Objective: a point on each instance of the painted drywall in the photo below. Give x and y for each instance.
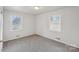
(1, 23)
(69, 29)
(27, 28)
(1, 28)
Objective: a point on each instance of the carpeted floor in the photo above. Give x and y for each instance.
(36, 43)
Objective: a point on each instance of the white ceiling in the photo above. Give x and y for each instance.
(31, 10)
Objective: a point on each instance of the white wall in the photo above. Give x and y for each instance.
(28, 25)
(70, 25)
(1, 23)
(1, 28)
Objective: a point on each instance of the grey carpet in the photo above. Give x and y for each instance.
(36, 43)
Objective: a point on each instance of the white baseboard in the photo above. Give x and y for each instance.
(73, 45)
(19, 37)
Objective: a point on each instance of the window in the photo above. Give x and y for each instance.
(16, 23)
(55, 23)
